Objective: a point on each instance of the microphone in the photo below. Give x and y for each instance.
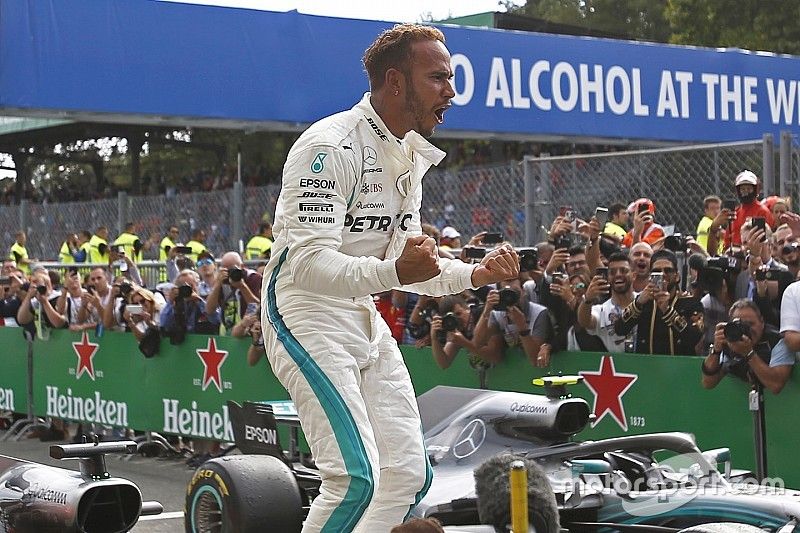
(493, 491)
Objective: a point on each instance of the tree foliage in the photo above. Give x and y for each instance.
(635, 19)
(772, 25)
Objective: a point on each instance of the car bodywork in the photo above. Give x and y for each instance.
(652, 482)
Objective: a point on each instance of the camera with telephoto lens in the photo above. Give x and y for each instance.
(676, 243)
(184, 291)
(420, 330)
(235, 274)
(508, 298)
(449, 323)
(125, 288)
(765, 273)
(790, 247)
(528, 259)
(735, 329)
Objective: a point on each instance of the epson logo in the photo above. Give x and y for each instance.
(377, 130)
(263, 435)
(316, 208)
(528, 408)
(314, 194)
(316, 183)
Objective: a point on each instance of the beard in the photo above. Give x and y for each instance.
(414, 108)
(621, 290)
(747, 198)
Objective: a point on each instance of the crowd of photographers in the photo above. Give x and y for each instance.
(613, 280)
(620, 280)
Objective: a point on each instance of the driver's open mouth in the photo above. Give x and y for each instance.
(439, 112)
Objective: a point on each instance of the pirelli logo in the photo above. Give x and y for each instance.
(316, 207)
(316, 220)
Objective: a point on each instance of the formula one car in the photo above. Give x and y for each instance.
(35, 498)
(654, 482)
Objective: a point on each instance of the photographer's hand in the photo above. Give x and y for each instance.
(560, 226)
(222, 278)
(646, 295)
(498, 265)
(662, 300)
(719, 337)
(457, 338)
(557, 260)
(492, 299)
(743, 346)
(517, 317)
(598, 288)
(477, 239)
(436, 325)
(419, 260)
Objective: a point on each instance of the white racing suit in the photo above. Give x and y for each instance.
(350, 198)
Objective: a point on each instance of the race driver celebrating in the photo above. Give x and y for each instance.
(347, 225)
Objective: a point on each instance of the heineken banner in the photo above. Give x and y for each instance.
(184, 388)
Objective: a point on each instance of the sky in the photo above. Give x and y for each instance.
(391, 10)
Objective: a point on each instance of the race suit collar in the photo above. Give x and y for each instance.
(412, 143)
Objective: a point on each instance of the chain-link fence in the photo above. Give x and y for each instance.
(477, 199)
(47, 225)
(676, 179)
(491, 197)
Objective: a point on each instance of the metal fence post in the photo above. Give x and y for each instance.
(122, 211)
(24, 209)
(530, 198)
(237, 223)
(768, 164)
(785, 160)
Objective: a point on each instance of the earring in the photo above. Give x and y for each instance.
(396, 92)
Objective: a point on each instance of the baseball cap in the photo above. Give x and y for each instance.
(746, 177)
(449, 232)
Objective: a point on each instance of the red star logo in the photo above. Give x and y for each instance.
(85, 351)
(212, 361)
(608, 388)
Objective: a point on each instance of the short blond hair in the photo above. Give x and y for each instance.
(392, 49)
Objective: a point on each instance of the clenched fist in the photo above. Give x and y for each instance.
(419, 260)
(498, 265)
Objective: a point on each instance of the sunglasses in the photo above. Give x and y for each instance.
(204, 262)
(667, 270)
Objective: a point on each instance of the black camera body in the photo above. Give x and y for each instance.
(41, 289)
(768, 274)
(508, 298)
(125, 288)
(564, 242)
(735, 329)
(449, 322)
(528, 259)
(676, 243)
(184, 291)
(235, 274)
(790, 247)
(473, 252)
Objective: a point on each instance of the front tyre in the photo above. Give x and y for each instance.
(243, 494)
